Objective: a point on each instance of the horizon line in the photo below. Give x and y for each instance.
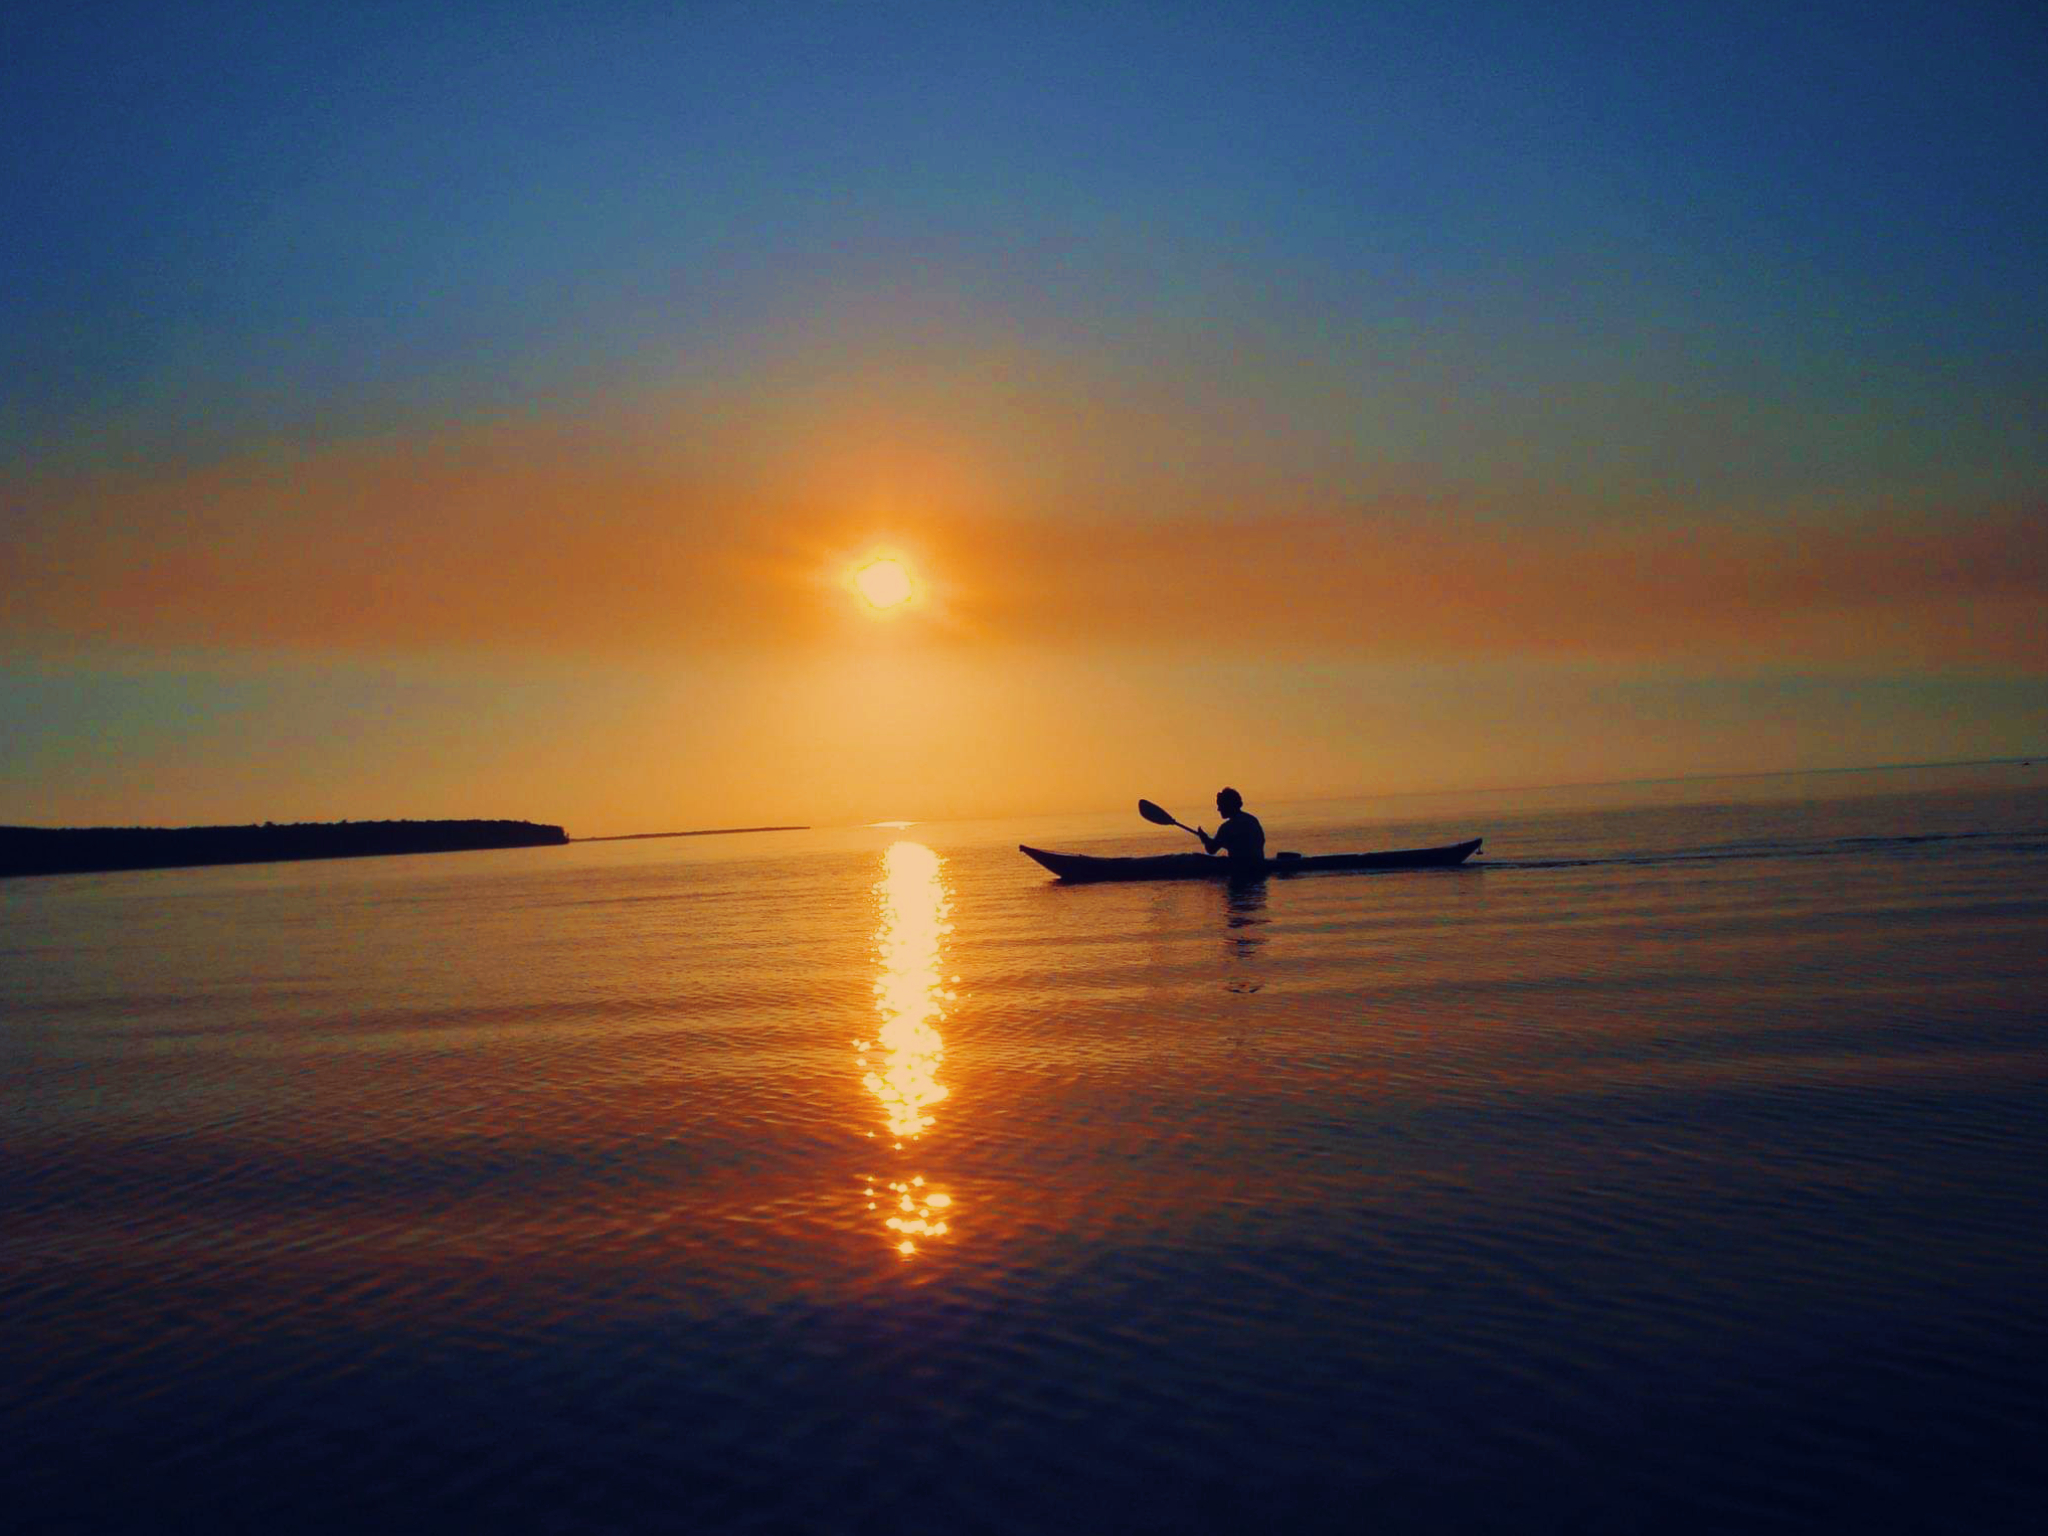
(628, 837)
(2023, 760)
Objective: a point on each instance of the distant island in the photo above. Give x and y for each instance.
(79, 850)
(627, 837)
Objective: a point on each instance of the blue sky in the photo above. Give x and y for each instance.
(373, 208)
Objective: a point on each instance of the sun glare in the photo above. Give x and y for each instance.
(884, 583)
(904, 1056)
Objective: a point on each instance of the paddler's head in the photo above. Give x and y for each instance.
(1229, 801)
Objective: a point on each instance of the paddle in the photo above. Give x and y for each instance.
(1160, 818)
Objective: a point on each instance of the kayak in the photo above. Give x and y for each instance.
(1080, 867)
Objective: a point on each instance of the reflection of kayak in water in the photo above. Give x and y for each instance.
(1200, 866)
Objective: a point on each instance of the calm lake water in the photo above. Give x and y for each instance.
(1680, 1166)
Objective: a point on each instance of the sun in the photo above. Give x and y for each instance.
(884, 583)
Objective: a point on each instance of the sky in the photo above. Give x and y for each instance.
(415, 411)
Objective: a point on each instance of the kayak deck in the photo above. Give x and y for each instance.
(1082, 867)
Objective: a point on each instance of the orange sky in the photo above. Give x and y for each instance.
(509, 543)
(674, 615)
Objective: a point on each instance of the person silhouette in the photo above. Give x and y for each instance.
(1239, 833)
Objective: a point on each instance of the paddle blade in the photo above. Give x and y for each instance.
(1155, 815)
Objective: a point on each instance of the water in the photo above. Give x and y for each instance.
(1681, 1168)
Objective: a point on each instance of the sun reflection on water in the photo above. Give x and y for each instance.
(902, 1061)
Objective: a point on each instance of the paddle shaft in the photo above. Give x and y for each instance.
(1160, 816)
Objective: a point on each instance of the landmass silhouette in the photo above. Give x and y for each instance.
(79, 850)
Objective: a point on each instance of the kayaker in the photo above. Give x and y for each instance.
(1239, 835)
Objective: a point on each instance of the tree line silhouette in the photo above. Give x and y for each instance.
(77, 850)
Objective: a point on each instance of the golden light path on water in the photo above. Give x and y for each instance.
(902, 1060)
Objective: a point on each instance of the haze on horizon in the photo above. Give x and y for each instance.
(422, 416)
